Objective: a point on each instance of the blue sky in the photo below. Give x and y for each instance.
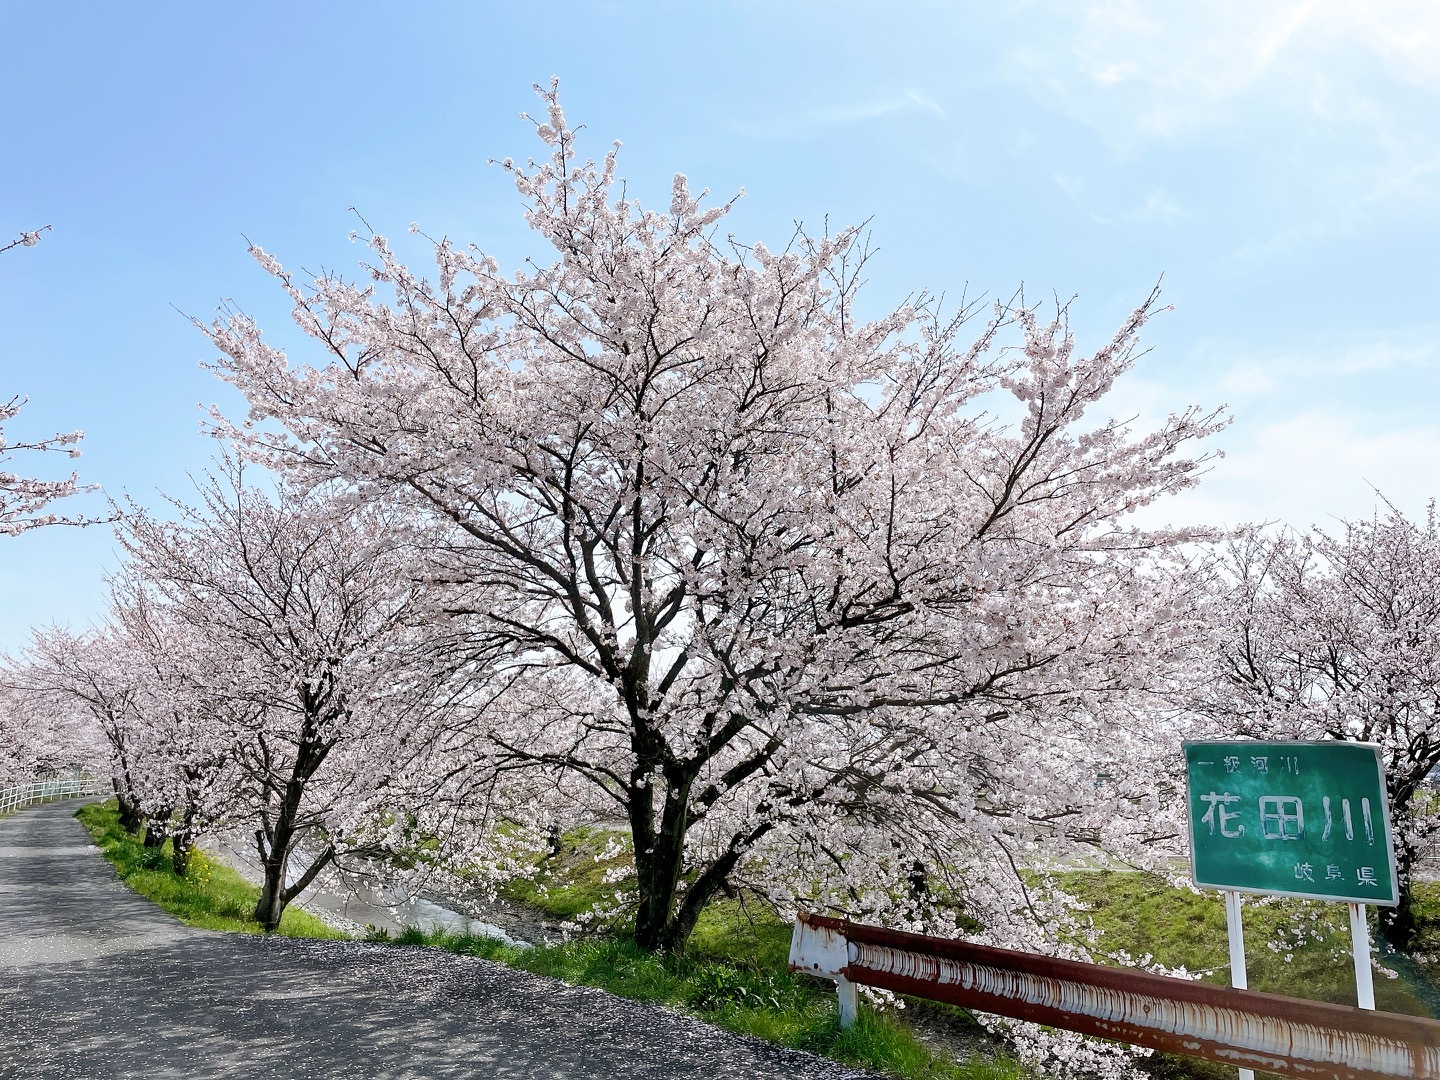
(1280, 168)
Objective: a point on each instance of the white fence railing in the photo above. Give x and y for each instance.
(14, 798)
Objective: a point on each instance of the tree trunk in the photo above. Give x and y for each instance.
(155, 832)
(276, 896)
(180, 843)
(1397, 925)
(272, 889)
(180, 853)
(665, 920)
(131, 820)
(716, 878)
(282, 839)
(659, 858)
(276, 843)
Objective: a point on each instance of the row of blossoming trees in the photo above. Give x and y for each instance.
(851, 613)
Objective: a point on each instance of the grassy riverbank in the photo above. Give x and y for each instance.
(751, 998)
(210, 895)
(1135, 913)
(1296, 948)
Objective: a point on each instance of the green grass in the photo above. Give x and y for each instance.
(570, 883)
(733, 973)
(1142, 914)
(210, 895)
(1426, 896)
(1136, 913)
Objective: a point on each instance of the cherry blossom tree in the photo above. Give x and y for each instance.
(296, 609)
(1337, 636)
(44, 736)
(132, 679)
(185, 770)
(132, 682)
(63, 671)
(760, 576)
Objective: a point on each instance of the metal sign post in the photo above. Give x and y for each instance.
(1360, 950)
(1236, 931)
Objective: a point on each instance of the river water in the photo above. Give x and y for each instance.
(356, 906)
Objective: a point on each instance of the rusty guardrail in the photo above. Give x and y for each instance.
(1243, 1028)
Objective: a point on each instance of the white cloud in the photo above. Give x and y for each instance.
(1312, 469)
(1158, 206)
(1192, 64)
(1318, 429)
(1258, 371)
(1334, 97)
(1395, 375)
(1248, 381)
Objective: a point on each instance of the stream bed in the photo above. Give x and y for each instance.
(357, 906)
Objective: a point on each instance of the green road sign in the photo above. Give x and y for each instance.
(1296, 818)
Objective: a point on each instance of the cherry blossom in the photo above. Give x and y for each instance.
(64, 672)
(25, 239)
(44, 737)
(22, 497)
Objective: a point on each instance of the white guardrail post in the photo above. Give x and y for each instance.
(1239, 1028)
(14, 798)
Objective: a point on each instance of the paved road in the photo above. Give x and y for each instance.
(96, 982)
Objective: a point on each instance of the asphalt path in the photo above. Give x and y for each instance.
(98, 982)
